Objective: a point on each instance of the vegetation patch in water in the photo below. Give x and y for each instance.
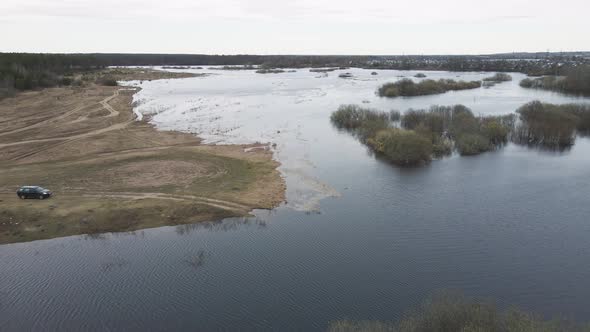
(552, 126)
(408, 88)
(448, 312)
(489, 82)
(354, 117)
(498, 77)
(269, 71)
(446, 125)
(401, 147)
(555, 83)
(575, 81)
(423, 134)
(373, 128)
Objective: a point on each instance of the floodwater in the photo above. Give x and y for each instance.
(358, 238)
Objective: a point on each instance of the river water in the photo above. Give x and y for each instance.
(358, 238)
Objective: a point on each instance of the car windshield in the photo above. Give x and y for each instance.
(32, 189)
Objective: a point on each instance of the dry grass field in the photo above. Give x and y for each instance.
(112, 173)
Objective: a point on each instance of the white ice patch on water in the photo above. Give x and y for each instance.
(291, 111)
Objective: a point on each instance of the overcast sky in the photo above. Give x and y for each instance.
(294, 27)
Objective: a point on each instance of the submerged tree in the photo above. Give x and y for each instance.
(354, 117)
(440, 130)
(472, 135)
(498, 77)
(576, 80)
(546, 125)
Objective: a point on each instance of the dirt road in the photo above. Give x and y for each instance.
(104, 103)
(110, 172)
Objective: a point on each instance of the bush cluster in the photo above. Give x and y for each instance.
(440, 130)
(269, 71)
(400, 146)
(107, 81)
(446, 124)
(354, 117)
(498, 77)
(552, 126)
(576, 81)
(423, 133)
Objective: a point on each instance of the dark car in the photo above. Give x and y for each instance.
(33, 192)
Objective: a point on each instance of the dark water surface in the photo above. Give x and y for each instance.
(511, 225)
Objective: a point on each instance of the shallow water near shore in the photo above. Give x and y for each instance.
(357, 239)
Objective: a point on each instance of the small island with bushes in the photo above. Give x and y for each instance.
(424, 134)
(498, 78)
(495, 79)
(418, 136)
(550, 125)
(269, 71)
(408, 88)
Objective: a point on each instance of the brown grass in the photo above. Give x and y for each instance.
(112, 173)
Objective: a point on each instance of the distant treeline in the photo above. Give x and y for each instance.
(528, 63)
(25, 71)
(22, 71)
(116, 59)
(266, 61)
(474, 63)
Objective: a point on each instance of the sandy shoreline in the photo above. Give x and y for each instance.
(110, 172)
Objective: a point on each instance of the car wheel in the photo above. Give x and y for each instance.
(41, 197)
(21, 196)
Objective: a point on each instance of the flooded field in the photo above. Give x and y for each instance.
(357, 238)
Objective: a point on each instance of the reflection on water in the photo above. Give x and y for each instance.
(106, 236)
(511, 225)
(556, 150)
(198, 259)
(113, 263)
(230, 224)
